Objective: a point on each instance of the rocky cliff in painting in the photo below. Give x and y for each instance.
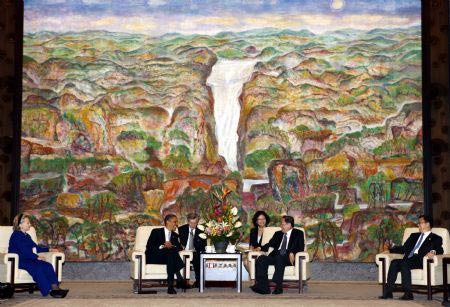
(119, 129)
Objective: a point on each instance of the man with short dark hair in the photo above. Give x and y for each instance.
(418, 245)
(285, 243)
(190, 240)
(163, 246)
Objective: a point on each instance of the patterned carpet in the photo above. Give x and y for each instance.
(88, 294)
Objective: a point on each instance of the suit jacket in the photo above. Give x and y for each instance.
(296, 242)
(158, 238)
(432, 242)
(254, 238)
(199, 243)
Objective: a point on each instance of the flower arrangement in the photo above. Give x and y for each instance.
(221, 219)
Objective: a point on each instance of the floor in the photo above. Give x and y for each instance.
(119, 293)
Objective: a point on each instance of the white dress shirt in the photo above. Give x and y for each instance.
(168, 233)
(425, 235)
(189, 237)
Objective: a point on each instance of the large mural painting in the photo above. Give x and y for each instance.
(134, 109)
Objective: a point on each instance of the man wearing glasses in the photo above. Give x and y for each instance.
(418, 245)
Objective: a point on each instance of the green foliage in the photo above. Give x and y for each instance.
(231, 54)
(345, 100)
(102, 206)
(268, 129)
(179, 157)
(42, 165)
(301, 128)
(387, 230)
(259, 159)
(74, 121)
(133, 183)
(396, 147)
(192, 201)
(177, 134)
(404, 88)
(349, 210)
(153, 143)
(51, 228)
(131, 135)
(37, 186)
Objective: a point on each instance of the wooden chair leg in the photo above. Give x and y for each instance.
(429, 288)
(140, 265)
(383, 276)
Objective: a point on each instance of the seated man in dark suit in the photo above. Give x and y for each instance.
(417, 246)
(286, 243)
(163, 246)
(190, 240)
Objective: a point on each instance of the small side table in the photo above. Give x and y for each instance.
(225, 256)
(445, 262)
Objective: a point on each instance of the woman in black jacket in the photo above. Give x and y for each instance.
(260, 221)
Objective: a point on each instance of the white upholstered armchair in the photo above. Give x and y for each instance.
(430, 277)
(298, 272)
(143, 273)
(9, 262)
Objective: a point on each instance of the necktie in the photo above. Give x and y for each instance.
(283, 245)
(416, 247)
(191, 240)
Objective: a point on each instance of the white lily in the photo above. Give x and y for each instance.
(203, 236)
(230, 234)
(234, 211)
(238, 224)
(201, 227)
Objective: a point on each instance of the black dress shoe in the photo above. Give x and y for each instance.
(278, 291)
(407, 297)
(387, 296)
(182, 284)
(171, 290)
(196, 284)
(260, 290)
(59, 293)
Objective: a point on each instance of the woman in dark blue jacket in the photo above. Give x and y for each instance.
(42, 272)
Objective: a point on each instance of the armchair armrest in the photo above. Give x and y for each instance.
(387, 257)
(383, 262)
(11, 262)
(437, 260)
(138, 262)
(51, 257)
(187, 256)
(252, 256)
(4, 257)
(303, 255)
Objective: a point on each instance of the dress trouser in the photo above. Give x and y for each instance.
(169, 257)
(404, 266)
(196, 264)
(42, 273)
(262, 266)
